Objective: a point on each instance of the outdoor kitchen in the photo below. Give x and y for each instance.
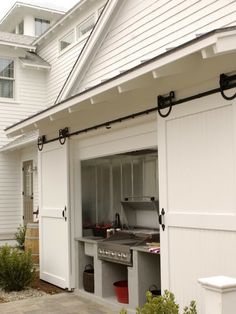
(119, 253)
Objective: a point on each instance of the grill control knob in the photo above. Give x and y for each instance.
(106, 252)
(124, 255)
(119, 255)
(100, 251)
(113, 254)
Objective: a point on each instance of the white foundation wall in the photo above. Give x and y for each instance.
(144, 29)
(10, 196)
(31, 153)
(196, 146)
(62, 61)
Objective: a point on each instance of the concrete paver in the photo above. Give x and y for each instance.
(62, 303)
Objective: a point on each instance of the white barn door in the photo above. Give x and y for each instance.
(197, 152)
(54, 215)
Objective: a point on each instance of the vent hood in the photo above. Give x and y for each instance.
(140, 203)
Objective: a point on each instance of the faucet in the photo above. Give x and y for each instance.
(117, 220)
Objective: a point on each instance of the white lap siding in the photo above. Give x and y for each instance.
(10, 196)
(144, 29)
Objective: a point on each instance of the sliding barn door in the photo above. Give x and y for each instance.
(54, 215)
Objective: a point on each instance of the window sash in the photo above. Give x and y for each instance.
(41, 26)
(85, 26)
(6, 78)
(67, 40)
(6, 88)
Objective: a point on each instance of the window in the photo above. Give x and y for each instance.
(6, 78)
(67, 40)
(85, 26)
(41, 26)
(21, 28)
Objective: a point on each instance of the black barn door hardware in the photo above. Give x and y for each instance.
(64, 214)
(161, 219)
(165, 102)
(225, 83)
(63, 134)
(41, 142)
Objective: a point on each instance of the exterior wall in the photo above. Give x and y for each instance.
(10, 196)
(62, 62)
(144, 29)
(29, 98)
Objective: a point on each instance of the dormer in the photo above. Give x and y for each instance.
(30, 20)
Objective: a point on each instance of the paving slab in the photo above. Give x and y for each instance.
(62, 303)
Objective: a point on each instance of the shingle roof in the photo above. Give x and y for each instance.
(16, 39)
(33, 60)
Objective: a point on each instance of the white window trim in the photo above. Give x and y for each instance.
(61, 51)
(8, 99)
(92, 16)
(78, 40)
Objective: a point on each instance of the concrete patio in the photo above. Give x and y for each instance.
(62, 303)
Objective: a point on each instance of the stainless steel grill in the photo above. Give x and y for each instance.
(117, 248)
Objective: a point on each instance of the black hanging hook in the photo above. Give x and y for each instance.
(164, 102)
(225, 81)
(63, 134)
(41, 141)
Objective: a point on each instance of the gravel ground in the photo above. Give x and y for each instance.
(20, 295)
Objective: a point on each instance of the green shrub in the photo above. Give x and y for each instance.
(164, 304)
(16, 269)
(20, 236)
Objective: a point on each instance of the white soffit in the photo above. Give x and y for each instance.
(197, 45)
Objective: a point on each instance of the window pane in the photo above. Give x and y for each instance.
(86, 26)
(6, 68)
(67, 40)
(6, 88)
(41, 26)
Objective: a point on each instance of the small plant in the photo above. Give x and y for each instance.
(164, 304)
(20, 236)
(16, 269)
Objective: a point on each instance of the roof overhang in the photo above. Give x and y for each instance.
(211, 44)
(17, 45)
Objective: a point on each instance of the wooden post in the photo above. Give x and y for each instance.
(220, 294)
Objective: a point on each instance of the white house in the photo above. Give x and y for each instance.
(30, 82)
(104, 138)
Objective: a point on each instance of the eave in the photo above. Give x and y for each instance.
(220, 41)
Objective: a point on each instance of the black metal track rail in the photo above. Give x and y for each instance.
(226, 83)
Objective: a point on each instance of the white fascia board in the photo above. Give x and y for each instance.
(113, 83)
(16, 45)
(90, 47)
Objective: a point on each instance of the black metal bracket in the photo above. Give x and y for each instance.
(161, 220)
(165, 102)
(64, 214)
(63, 134)
(41, 142)
(225, 83)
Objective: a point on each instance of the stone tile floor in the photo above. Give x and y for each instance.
(62, 303)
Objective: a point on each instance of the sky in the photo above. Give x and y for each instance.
(57, 4)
